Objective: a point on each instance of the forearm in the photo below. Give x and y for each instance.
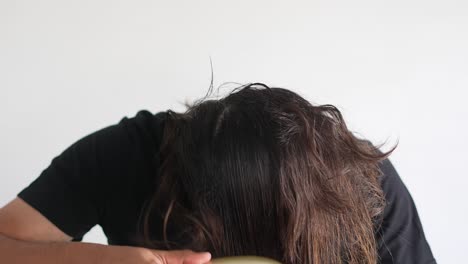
(18, 251)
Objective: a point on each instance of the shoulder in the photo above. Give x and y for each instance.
(129, 160)
(400, 237)
(99, 176)
(143, 130)
(128, 151)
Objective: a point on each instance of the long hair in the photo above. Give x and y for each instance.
(264, 172)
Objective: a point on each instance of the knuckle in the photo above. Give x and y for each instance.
(158, 259)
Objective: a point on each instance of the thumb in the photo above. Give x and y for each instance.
(181, 257)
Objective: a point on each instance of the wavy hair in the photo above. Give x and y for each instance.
(264, 172)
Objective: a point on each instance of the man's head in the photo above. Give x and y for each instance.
(264, 172)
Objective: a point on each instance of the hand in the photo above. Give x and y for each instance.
(137, 255)
(181, 257)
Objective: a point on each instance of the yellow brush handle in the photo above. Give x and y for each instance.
(244, 260)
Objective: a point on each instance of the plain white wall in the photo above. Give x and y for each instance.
(397, 70)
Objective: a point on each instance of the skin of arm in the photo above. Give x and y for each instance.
(26, 236)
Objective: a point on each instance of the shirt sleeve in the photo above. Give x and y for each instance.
(401, 237)
(69, 192)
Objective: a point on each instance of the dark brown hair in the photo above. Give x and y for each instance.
(264, 172)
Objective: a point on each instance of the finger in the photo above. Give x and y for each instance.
(197, 258)
(188, 257)
(182, 256)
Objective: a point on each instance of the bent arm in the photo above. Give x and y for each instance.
(26, 236)
(20, 251)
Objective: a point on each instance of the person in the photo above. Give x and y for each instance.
(261, 171)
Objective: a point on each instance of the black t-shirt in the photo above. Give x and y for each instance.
(105, 177)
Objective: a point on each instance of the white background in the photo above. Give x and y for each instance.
(396, 69)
